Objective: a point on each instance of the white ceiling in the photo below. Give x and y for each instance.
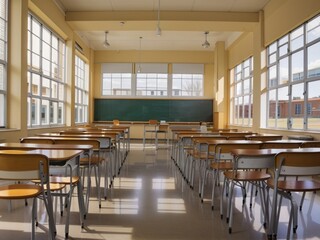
(178, 34)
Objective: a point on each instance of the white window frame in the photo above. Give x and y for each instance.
(3, 62)
(81, 90)
(184, 73)
(294, 46)
(148, 72)
(239, 75)
(46, 79)
(113, 72)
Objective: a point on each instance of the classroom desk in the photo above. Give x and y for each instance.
(34, 146)
(124, 127)
(66, 157)
(106, 141)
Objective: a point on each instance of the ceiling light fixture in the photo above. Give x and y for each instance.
(158, 30)
(106, 44)
(206, 44)
(139, 64)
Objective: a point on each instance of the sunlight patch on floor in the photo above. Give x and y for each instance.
(163, 183)
(171, 205)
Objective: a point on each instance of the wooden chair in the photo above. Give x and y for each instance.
(288, 165)
(116, 122)
(21, 166)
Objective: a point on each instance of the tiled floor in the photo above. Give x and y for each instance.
(150, 201)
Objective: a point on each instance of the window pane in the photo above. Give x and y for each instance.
(297, 38)
(314, 60)
(313, 29)
(314, 105)
(2, 105)
(81, 92)
(2, 77)
(297, 66)
(35, 111)
(283, 71)
(272, 109)
(298, 108)
(272, 73)
(282, 113)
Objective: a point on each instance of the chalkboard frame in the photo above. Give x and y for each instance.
(169, 110)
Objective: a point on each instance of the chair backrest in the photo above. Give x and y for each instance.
(223, 150)
(280, 145)
(254, 162)
(298, 163)
(313, 144)
(153, 122)
(37, 140)
(19, 165)
(116, 122)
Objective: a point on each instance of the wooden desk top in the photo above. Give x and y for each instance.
(265, 152)
(57, 135)
(30, 146)
(285, 141)
(218, 141)
(55, 157)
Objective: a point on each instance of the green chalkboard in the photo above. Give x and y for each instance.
(146, 109)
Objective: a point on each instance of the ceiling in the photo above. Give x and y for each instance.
(183, 22)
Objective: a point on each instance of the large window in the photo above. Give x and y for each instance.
(116, 79)
(241, 102)
(152, 80)
(187, 80)
(294, 79)
(3, 60)
(81, 91)
(46, 75)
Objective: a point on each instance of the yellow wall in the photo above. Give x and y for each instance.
(240, 50)
(285, 15)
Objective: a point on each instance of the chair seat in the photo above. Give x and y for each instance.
(53, 186)
(247, 175)
(296, 186)
(222, 165)
(19, 191)
(64, 180)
